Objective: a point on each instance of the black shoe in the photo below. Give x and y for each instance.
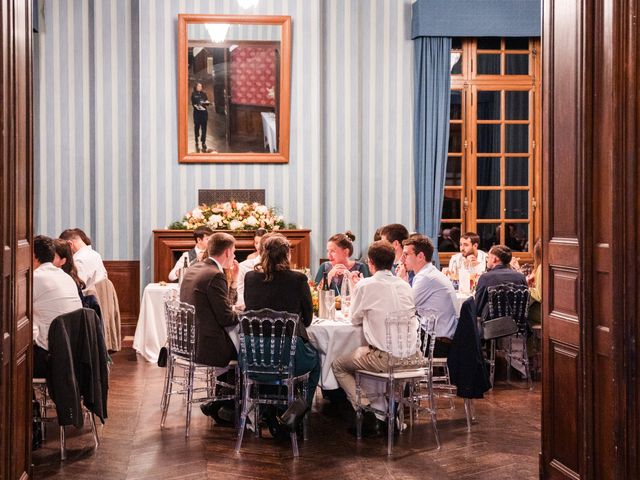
(371, 426)
(290, 419)
(205, 149)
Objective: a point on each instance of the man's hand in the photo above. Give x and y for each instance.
(234, 271)
(401, 272)
(355, 277)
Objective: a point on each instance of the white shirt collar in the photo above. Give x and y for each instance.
(217, 263)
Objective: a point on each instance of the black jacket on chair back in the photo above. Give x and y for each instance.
(205, 287)
(77, 367)
(466, 363)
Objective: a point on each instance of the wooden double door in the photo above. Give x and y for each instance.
(591, 122)
(16, 234)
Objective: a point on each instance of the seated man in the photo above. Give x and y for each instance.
(499, 273)
(432, 290)
(199, 252)
(88, 262)
(249, 264)
(205, 287)
(54, 293)
(470, 256)
(395, 234)
(372, 300)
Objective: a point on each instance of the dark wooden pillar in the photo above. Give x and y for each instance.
(15, 234)
(590, 151)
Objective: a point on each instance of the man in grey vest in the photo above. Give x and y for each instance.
(197, 253)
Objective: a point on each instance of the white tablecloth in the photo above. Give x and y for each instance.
(269, 129)
(151, 331)
(333, 339)
(461, 297)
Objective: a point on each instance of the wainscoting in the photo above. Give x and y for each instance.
(125, 275)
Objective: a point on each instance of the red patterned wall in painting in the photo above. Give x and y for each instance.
(253, 73)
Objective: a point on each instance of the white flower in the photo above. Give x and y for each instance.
(240, 205)
(251, 221)
(262, 210)
(235, 225)
(214, 220)
(196, 213)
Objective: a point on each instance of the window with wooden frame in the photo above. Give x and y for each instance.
(493, 177)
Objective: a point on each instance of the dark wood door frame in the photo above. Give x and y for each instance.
(591, 119)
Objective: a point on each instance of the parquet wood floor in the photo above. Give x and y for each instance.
(504, 443)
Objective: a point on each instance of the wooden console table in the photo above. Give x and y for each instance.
(168, 245)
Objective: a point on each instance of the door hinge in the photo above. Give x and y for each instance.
(534, 204)
(465, 204)
(465, 144)
(533, 144)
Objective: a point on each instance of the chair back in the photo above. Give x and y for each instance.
(181, 327)
(509, 300)
(403, 340)
(428, 319)
(268, 344)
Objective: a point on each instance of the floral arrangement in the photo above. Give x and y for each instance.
(315, 300)
(231, 216)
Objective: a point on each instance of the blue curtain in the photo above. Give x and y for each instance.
(432, 85)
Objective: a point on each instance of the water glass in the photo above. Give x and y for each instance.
(330, 303)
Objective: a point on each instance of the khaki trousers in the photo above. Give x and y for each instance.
(363, 358)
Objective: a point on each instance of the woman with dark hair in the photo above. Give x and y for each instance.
(339, 251)
(274, 285)
(63, 259)
(534, 279)
(199, 102)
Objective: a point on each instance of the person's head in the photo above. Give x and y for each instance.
(76, 238)
(469, 244)
(201, 235)
(395, 234)
(276, 255)
(498, 255)
(537, 253)
(63, 259)
(376, 235)
(197, 87)
(222, 247)
(381, 256)
(257, 239)
(43, 250)
(340, 247)
(417, 252)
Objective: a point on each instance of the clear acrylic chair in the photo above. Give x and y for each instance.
(188, 377)
(267, 352)
(511, 301)
(406, 367)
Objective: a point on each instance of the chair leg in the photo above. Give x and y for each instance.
(305, 419)
(358, 408)
(94, 430)
(63, 445)
(190, 381)
(492, 361)
(525, 361)
(243, 416)
(452, 405)
(293, 435)
(165, 390)
(168, 393)
(391, 418)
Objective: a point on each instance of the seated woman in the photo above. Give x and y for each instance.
(274, 285)
(339, 249)
(534, 279)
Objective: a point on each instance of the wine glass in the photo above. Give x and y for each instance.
(330, 302)
(346, 305)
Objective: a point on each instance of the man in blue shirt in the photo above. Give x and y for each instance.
(432, 290)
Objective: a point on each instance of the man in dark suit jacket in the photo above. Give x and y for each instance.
(205, 287)
(499, 273)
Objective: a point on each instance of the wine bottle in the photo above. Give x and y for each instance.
(325, 281)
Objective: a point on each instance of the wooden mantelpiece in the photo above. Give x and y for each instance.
(168, 243)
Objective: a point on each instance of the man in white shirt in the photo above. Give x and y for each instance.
(88, 262)
(249, 264)
(197, 253)
(395, 234)
(373, 299)
(54, 293)
(432, 290)
(470, 257)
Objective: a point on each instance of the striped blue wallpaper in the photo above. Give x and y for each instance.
(106, 143)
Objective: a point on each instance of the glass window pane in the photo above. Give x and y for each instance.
(517, 204)
(488, 105)
(517, 138)
(489, 64)
(488, 138)
(517, 237)
(489, 43)
(517, 43)
(449, 237)
(451, 205)
(456, 105)
(517, 105)
(454, 171)
(517, 64)
(517, 172)
(455, 138)
(456, 43)
(456, 63)
(488, 205)
(489, 234)
(488, 171)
